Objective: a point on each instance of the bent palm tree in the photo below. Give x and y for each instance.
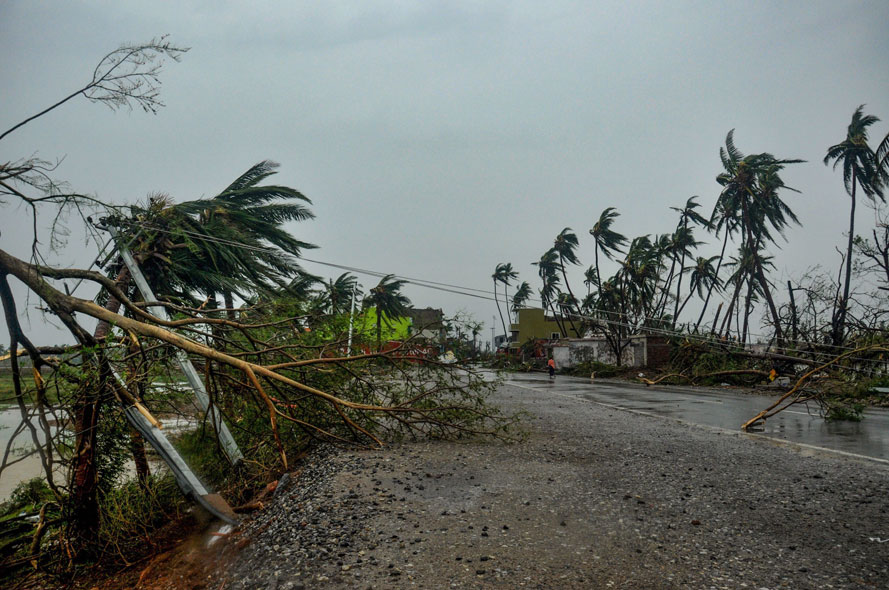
(549, 291)
(337, 295)
(233, 241)
(859, 169)
(749, 201)
(606, 240)
(685, 242)
(389, 302)
(564, 245)
(521, 296)
(499, 276)
(703, 275)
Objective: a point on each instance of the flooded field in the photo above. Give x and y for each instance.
(28, 466)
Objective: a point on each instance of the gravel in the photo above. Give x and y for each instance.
(594, 498)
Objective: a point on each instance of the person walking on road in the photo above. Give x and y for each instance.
(551, 364)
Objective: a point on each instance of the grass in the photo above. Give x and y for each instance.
(7, 390)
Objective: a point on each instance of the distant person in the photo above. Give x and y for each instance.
(551, 365)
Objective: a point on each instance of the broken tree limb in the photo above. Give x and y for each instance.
(693, 378)
(776, 406)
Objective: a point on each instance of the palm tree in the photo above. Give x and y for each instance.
(547, 270)
(860, 168)
(233, 241)
(749, 201)
(686, 242)
(389, 302)
(564, 245)
(499, 276)
(236, 240)
(301, 286)
(521, 296)
(703, 274)
(606, 240)
(336, 298)
(507, 276)
(881, 158)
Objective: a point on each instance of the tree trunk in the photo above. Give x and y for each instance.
(229, 305)
(747, 299)
(137, 446)
(87, 409)
(678, 290)
(573, 299)
(793, 323)
(379, 330)
(760, 275)
(497, 301)
(712, 284)
(840, 328)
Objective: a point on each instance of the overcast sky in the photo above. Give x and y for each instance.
(437, 139)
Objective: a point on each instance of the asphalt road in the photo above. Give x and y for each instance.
(726, 409)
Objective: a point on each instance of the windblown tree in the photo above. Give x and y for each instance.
(389, 303)
(861, 168)
(607, 240)
(233, 242)
(500, 276)
(683, 244)
(123, 78)
(521, 297)
(750, 202)
(565, 245)
(703, 276)
(507, 276)
(336, 298)
(547, 270)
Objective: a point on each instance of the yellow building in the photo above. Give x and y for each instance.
(533, 324)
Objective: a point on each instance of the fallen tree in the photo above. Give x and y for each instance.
(303, 383)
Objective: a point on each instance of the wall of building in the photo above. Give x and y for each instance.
(533, 324)
(570, 353)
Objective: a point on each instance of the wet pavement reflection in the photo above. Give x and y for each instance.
(728, 409)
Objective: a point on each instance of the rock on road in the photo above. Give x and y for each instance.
(594, 498)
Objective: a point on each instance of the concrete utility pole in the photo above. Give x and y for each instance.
(227, 442)
(186, 479)
(351, 318)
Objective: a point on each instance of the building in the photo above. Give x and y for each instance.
(427, 324)
(642, 351)
(533, 324)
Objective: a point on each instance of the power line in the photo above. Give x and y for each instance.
(490, 295)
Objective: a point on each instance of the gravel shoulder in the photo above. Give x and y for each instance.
(594, 498)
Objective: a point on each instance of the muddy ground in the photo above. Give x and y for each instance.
(594, 498)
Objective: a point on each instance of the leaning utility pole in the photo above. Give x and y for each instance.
(227, 442)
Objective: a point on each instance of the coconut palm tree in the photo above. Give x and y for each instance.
(686, 242)
(521, 296)
(606, 240)
(565, 245)
(703, 275)
(389, 303)
(336, 298)
(881, 159)
(860, 169)
(547, 270)
(499, 276)
(749, 202)
(507, 276)
(231, 242)
(235, 241)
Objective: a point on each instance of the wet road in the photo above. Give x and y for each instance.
(727, 409)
